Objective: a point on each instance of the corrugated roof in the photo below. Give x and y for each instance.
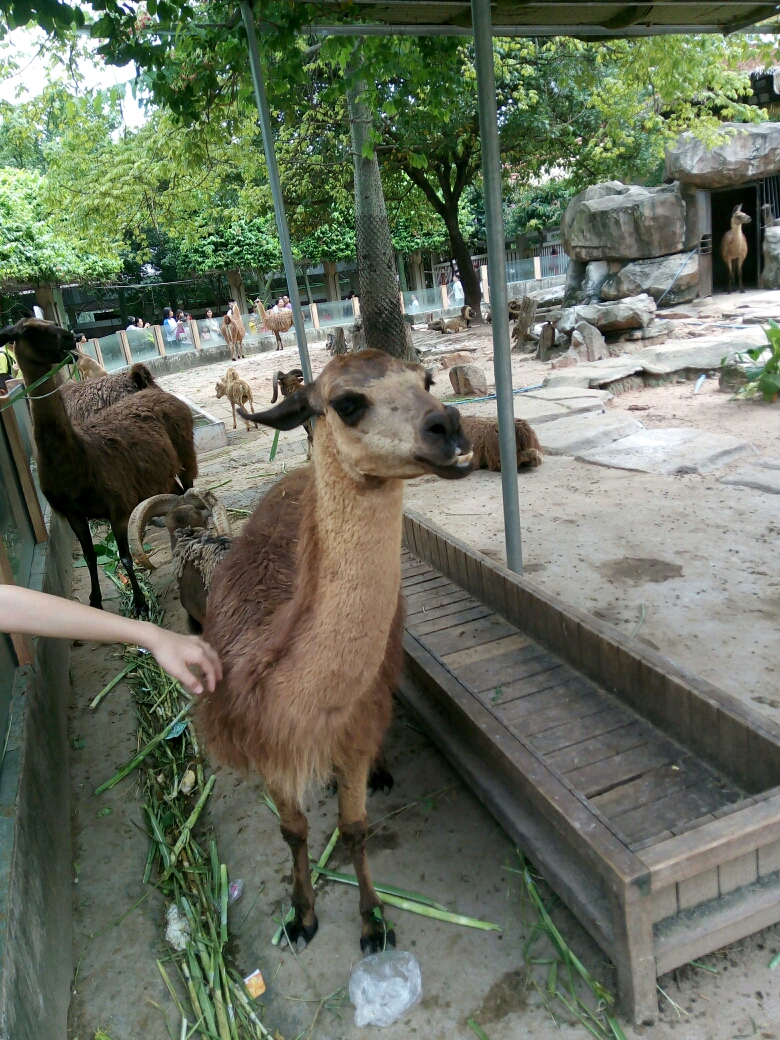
(584, 18)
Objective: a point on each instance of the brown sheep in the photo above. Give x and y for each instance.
(467, 315)
(101, 467)
(287, 382)
(306, 611)
(483, 434)
(93, 395)
(237, 391)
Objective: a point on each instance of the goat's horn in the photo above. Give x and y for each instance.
(158, 505)
(219, 514)
(275, 383)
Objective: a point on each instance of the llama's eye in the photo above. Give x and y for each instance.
(350, 408)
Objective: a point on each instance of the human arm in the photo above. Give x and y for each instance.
(36, 613)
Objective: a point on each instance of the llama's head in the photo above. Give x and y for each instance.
(380, 417)
(738, 217)
(39, 342)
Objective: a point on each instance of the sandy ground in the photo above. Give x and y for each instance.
(696, 557)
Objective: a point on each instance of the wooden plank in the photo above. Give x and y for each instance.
(555, 675)
(442, 606)
(574, 731)
(653, 786)
(419, 601)
(671, 813)
(595, 779)
(426, 582)
(438, 624)
(485, 651)
(634, 956)
(505, 668)
(25, 476)
(769, 859)
(698, 889)
(470, 631)
(718, 926)
(572, 712)
(493, 585)
(738, 872)
(558, 694)
(664, 903)
(589, 751)
(690, 854)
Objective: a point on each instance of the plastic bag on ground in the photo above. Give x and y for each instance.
(383, 986)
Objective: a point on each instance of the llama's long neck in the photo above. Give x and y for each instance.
(55, 438)
(358, 572)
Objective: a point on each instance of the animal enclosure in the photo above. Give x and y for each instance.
(723, 203)
(648, 797)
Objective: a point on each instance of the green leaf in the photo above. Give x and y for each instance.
(105, 811)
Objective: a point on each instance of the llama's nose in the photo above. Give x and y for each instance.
(442, 426)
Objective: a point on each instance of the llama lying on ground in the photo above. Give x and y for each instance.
(467, 315)
(306, 612)
(237, 391)
(483, 434)
(93, 395)
(101, 467)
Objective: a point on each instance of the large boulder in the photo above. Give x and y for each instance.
(614, 221)
(468, 381)
(750, 151)
(673, 277)
(770, 275)
(587, 343)
(634, 313)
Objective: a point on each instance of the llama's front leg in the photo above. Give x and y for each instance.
(739, 268)
(295, 831)
(233, 406)
(120, 533)
(80, 526)
(374, 935)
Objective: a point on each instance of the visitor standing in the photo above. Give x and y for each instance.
(170, 325)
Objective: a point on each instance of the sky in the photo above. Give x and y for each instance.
(22, 45)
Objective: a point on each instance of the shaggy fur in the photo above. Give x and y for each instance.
(275, 321)
(460, 324)
(90, 397)
(237, 391)
(100, 468)
(203, 550)
(483, 434)
(287, 382)
(233, 331)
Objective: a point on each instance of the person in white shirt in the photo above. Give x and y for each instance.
(170, 325)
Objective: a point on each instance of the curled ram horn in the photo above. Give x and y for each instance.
(275, 383)
(219, 514)
(158, 505)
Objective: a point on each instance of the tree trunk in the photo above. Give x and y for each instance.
(469, 279)
(418, 270)
(332, 289)
(380, 304)
(49, 299)
(237, 291)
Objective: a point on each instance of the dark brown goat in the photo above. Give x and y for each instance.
(91, 396)
(483, 434)
(306, 611)
(287, 382)
(102, 467)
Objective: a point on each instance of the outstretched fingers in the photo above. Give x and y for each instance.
(179, 655)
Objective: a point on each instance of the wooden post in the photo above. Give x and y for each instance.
(98, 352)
(538, 268)
(125, 344)
(158, 339)
(195, 333)
(23, 645)
(315, 315)
(25, 476)
(444, 300)
(356, 306)
(483, 275)
(401, 298)
(635, 954)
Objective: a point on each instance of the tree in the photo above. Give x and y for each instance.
(33, 248)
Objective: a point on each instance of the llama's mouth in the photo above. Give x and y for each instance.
(459, 467)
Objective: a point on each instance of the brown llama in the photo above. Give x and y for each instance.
(734, 246)
(306, 611)
(483, 434)
(233, 331)
(101, 467)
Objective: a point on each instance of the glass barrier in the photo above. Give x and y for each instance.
(520, 270)
(88, 348)
(335, 312)
(555, 264)
(21, 410)
(142, 344)
(113, 355)
(15, 525)
(422, 300)
(178, 340)
(208, 330)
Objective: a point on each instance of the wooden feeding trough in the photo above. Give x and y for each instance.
(647, 797)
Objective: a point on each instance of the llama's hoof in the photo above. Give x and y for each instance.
(299, 935)
(377, 939)
(380, 780)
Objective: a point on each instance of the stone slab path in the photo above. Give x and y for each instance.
(669, 451)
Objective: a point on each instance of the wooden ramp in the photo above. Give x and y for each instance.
(646, 796)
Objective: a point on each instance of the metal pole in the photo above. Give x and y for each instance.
(276, 187)
(502, 355)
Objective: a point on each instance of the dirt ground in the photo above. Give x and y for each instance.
(691, 555)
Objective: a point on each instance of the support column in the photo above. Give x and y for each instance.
(418, 269)
(276, 187)
(502, 357)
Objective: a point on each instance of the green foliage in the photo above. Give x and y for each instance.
(532, 207)
(33, 248)
(763, 376)
(245, 242)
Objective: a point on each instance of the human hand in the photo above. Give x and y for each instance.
(178, 654)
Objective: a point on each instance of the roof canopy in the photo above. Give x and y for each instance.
(583, 18)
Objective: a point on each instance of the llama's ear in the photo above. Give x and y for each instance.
(291, 412)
